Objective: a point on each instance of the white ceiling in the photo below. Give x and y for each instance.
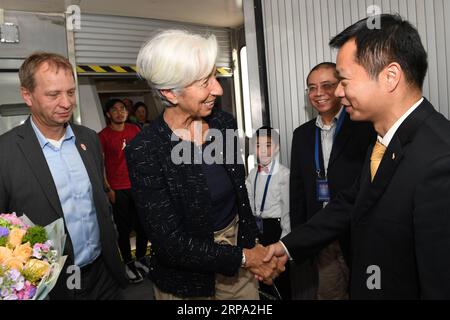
(219, 13)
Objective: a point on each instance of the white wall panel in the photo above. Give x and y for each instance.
(297, 32)
(116, 40)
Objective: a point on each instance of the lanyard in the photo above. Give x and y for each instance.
(316, 145)
(263, 201)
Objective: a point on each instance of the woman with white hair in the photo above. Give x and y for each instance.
(196, 215)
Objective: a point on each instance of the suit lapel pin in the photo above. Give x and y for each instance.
(393, 156)
(83, 146)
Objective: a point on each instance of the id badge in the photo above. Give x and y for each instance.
(259, 224)
(322, 191)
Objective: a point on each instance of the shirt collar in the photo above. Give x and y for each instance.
(390, 134)
(322, 126)
(275, 163)
(43, 141)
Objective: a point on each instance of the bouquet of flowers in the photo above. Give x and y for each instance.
(30, 257)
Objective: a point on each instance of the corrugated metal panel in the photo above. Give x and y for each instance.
(296, 37)
(116, 40)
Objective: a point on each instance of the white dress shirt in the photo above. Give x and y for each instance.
(390, 134)
(277, 198)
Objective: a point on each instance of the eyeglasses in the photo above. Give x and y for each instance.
(327, 86)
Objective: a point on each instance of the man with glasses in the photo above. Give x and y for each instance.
(327, 156)
(114, 138)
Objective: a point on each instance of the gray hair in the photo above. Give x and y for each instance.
(174, 59)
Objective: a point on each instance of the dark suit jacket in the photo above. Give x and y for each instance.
(27, 187)
(346, 160)
(174, 205)
(400, 222)
(345, 164)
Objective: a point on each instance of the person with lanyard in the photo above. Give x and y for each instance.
(327, 156)
(268, 190)
(397, 211)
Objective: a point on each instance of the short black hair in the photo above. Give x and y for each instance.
(266, 131)
(323, 65)
(110, 103)
(139, 104)
(395, 41)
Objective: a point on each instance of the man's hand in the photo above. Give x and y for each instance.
(275, 250)
(264, 270)
(254, 262)
(111, 196)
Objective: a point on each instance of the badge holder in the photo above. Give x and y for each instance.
(259, 224)
(322, 190)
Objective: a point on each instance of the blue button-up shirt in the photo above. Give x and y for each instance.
(75, 194)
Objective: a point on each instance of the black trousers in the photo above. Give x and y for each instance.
(97, 283)
(271, 234)
(127, 220)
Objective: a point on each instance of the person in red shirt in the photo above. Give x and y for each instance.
(114, 139)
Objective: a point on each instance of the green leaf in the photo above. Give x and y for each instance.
(36, 234)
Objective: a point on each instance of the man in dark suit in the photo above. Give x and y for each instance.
(398, 211)
(51, 169)
(327, 152)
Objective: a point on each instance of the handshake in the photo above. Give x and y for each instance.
(266, 263)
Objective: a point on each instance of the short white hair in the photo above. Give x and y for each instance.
(174, 59)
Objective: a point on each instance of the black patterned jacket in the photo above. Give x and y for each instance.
(174, 205)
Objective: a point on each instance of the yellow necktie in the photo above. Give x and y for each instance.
(375, 158)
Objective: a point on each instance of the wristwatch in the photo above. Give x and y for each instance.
(243, 261)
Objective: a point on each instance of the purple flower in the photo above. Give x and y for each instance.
(14, 274)
(27, 292)
(11, 296)
(3, 232)
(31, 290)
(19, 285)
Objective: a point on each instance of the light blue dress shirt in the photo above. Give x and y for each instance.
(327, 137)
(75, 194)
